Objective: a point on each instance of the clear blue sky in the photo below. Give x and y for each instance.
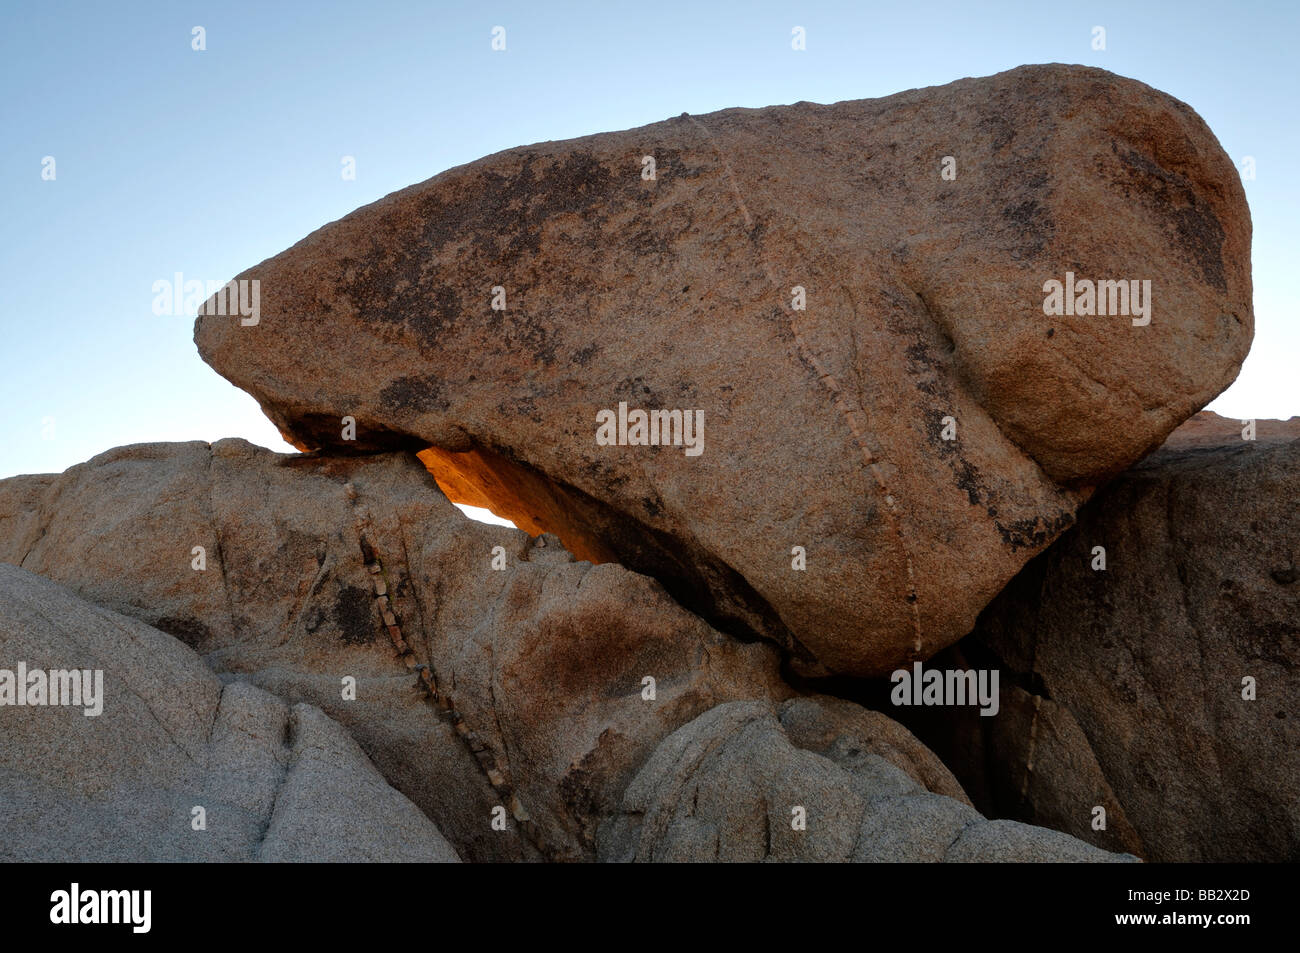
(168, 159)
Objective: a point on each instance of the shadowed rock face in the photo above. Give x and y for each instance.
(823, 426)
(733, 784)
(277, 783)
(1134, 675)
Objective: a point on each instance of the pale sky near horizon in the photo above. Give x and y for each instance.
(169, 159)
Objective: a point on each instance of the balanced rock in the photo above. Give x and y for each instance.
(128, 748)
(1167, 684)
(832, 374)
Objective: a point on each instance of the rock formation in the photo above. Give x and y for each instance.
(729, 785)
(538, 664)
(273, 782)
(516, 690)
(829, 302)
(780, 400)
(1133, 676)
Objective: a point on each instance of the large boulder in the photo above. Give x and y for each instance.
(812, 282)
(492, 670)
(1134, 692)
(118, 776)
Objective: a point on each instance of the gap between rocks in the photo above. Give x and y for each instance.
(495, 479)
(594, 532)
(514, 491)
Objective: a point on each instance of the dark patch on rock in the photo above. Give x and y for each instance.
(323, 430)
(418, 394)
(1030, 533)
(965, 474)
(999, 128)
(1193, 224)
(189, 630)
(1028, 216)
(354, 616)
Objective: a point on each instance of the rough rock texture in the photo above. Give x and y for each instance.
(541, 662)
(730, 785)
(1137, 671)
(277, 783)
(1031, 762)
(532, 693)
(823, 427)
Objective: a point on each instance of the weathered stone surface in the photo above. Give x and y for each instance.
(839, 729)
(823, 427)
(1147, 658)
(1030, 762)
(277, 783)
(727, 786)
(541, 664)
(542, 661)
